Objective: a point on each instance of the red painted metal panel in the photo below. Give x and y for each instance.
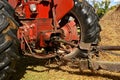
(63, 7)
(43, 11)
(70, 31)
(44, 30)
(13, 3)
(27, 11)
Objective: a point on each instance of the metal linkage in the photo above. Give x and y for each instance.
(99, 65)
(99, 48)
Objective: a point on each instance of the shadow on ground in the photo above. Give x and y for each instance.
(28, 61)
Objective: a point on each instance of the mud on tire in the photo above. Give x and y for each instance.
(9, 45)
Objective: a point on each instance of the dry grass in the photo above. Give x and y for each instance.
(110, 34)
(110, 24)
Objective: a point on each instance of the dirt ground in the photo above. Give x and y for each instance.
(34, 69)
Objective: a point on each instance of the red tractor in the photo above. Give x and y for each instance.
(44, 29)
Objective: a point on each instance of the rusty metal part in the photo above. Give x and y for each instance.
(40, 56)
(112, 53)
(39, 50)
(72, 54)
(83, 65)
(54, 19)
(106, 65)
(85, 46)
(70, 31)
(99, 65)
(69, 43)
(99, 48)
(28, 45)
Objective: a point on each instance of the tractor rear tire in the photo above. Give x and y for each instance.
(9, 44)
(88, 20)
